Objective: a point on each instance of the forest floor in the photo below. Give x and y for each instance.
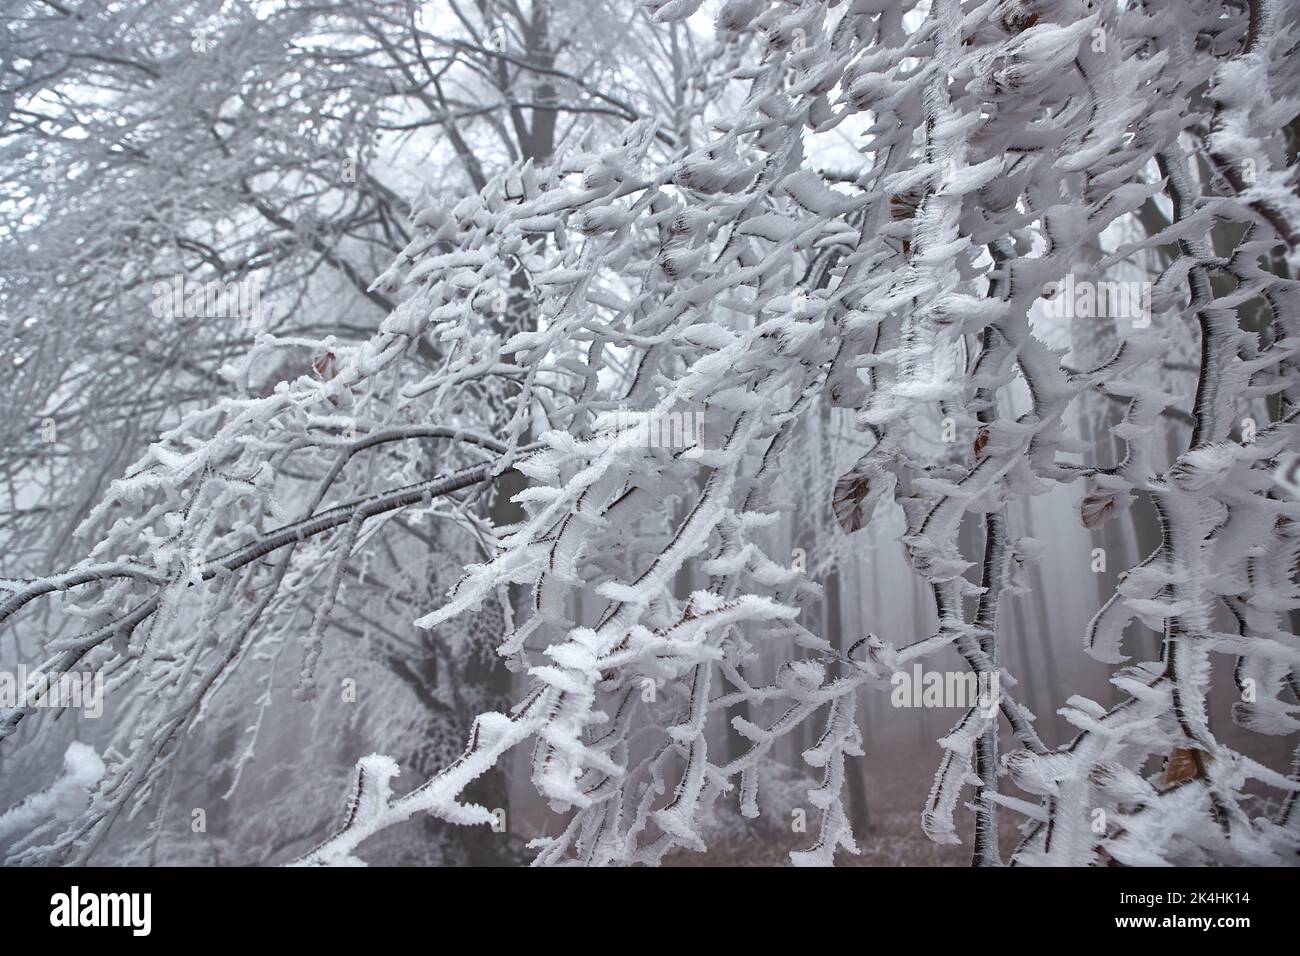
(896, 794)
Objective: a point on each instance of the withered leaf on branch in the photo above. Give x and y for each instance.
(904, 205)
(852, 499)
(1100, 505)
(325, 365)
(856, 493)
(1182, 765)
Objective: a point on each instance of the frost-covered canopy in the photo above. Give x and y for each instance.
(720, 267)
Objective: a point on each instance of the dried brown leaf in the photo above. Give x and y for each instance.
(1099, 506)
(851, 491)
(1183, 764)
(326, 366)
